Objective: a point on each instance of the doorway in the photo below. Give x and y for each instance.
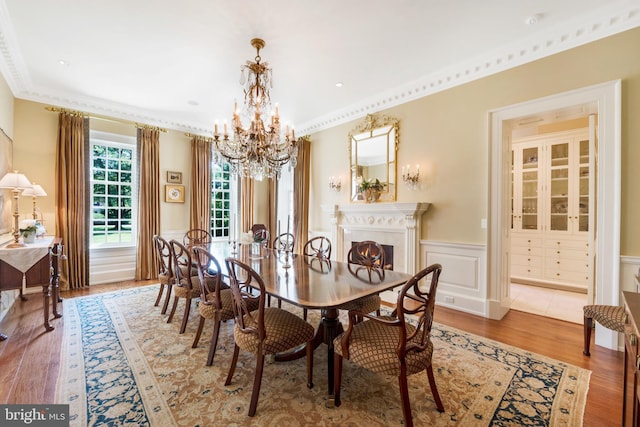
(606, 99)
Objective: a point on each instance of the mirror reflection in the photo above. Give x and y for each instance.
(373, 146)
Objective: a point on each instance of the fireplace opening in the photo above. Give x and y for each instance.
(388, 255)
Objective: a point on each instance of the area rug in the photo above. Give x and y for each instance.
(122, 364)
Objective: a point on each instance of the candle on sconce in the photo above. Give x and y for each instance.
(215, 128)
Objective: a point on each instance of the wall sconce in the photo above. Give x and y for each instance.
(409, 178)
(16, 182)
(335, 183)
(35, 191)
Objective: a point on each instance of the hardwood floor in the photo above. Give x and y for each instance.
(30, 357)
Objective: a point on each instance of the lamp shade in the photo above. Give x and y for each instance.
(35, 191)
(15, 180)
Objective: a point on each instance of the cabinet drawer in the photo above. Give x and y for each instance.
(526, 260)
(525, 271)
(554, 253)
(527, 241)
(568, 264)
(580, 244)
(533, 251)
(581, 278)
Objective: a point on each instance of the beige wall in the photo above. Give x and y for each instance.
(447, 133)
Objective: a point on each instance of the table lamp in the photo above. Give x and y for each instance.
(16, 182)
(35, 191)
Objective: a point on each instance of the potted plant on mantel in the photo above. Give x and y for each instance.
(372, 189)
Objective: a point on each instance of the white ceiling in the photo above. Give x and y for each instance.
(177, 64)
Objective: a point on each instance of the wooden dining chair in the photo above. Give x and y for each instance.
(186, 284)
(196, 237)
(165, 273)
(216, 301)
(366, 260)
(267, 330)
(284, 242)
(610, 316)
(316, 248)
(394, 345)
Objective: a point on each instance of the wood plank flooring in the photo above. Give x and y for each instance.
(30, 358)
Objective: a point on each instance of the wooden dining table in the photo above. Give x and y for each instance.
(311, 283)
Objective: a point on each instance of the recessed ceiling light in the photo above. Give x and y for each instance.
(192, 102)
(339, 84)
(63, 62)
(533, 19)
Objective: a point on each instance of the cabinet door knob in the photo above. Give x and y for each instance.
(558, 262)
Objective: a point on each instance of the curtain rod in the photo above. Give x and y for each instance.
(193, 135)
(97, 116)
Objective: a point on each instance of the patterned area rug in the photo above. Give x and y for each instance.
(122, 364)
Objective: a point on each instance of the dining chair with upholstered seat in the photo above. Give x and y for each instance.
(196, 237)
(366, 260)
(267, 330)
(609, 316)
(398, 345)
(165, 272)
(216, 301)
(318, 247)
(186, 283)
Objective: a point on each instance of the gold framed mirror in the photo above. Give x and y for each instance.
(373, 145)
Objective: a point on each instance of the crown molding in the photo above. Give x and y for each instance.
(571, 34)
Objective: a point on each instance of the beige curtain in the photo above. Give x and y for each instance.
(200, 209)
(246, 204)
(301, 193)
(72, 213)
(148, 201)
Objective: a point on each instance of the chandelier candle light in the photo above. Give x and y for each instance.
(411, 179)
(258, 150)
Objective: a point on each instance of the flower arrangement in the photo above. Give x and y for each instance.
(28, 230)
(369, 184)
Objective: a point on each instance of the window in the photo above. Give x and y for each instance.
(113, 184)
(285, 200)
(223, 203)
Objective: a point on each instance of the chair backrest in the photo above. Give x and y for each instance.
(284, 242)
(210, 276)
(366, 256)
(196, 237)
(319, 247)
(182, 263)
(163, 256)
(243, 281)
(418, 299)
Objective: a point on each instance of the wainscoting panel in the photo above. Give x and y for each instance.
(109, 265)
(463, 284)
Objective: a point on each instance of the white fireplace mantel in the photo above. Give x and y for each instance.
(396, 224)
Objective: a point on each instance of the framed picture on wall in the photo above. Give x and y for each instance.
(174, 177)
(174, 193)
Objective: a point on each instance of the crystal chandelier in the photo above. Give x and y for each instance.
(259, 150)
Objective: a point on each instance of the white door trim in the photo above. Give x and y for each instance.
(607, 96)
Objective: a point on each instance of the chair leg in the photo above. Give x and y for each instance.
(185, 318)
(214, 342)
(337, 378)
(304, 313)
(404, 397)
(434, 389)
(167, 299)
(232, 367)
(196, 340)
(173, 309)
(159, 295)
(257, 382)
(588, 326)
(310, 364)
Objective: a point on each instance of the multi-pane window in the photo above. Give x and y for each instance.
(112, 192)
(222, 190)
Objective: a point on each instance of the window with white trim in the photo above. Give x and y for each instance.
(223, 201)
(113, 190)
